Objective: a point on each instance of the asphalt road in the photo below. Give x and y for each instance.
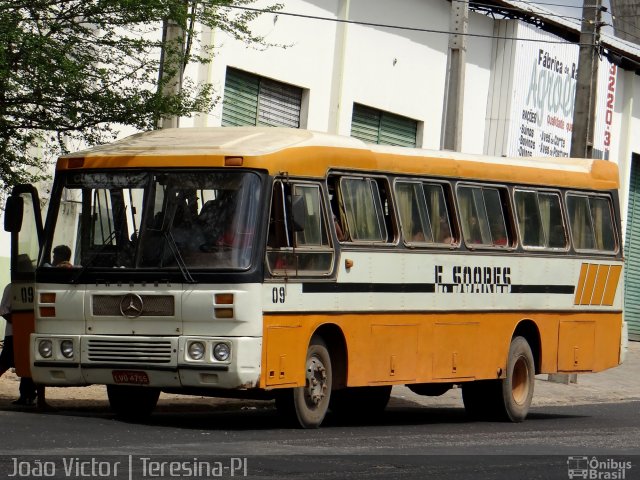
(406, 441)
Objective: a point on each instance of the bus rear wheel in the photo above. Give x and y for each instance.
(507, 399)
(308, 405)
(132, 403)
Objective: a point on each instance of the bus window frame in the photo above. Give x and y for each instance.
(391, 228)
(612, 211)
(298, 273)
(508, 216)
(563, 212)
(451, 213)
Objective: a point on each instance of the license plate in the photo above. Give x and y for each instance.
(130, 376)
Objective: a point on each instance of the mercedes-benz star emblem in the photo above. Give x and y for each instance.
(131, 305)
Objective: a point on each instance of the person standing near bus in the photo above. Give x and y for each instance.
(27, 387)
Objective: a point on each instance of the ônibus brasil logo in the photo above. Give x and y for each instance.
(593, 468)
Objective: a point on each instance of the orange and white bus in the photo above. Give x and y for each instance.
(321, 271)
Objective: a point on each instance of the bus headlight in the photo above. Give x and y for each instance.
(66, 348)
(45, 348)
(221, 352)
(196, 350)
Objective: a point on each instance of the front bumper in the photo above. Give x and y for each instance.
(161, 362)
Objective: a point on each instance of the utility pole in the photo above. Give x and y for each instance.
(451, 138)
(171, 65)
(587, 82)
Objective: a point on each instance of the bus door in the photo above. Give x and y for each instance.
(23, 219)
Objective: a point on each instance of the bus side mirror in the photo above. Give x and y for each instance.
(299, 211)
(13, 213)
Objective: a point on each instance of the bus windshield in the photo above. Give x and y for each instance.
(155, 220)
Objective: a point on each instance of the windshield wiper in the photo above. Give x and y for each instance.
(179, 260)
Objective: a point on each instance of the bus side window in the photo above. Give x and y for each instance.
(415, 222)
(438, 213)
(591, 222)
(337, 210)
(300, 247)
(277, 230)
(529, 221)
(364, 210)
(387, 209)
(482, 216)
(551, 214)
(540, 219)
(580, 221)
(604, 231)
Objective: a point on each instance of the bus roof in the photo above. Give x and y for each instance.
(312, 154)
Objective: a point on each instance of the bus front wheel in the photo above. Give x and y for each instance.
(507, 399)
(308, 405)
(132, 403)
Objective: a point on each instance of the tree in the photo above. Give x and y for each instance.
(74, 71)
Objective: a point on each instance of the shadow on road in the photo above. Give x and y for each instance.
(240, 415)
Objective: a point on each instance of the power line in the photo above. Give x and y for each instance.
(632, 25)
(534, 2)
(517, 9)
(394, 27)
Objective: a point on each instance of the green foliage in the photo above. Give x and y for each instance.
(73, 71)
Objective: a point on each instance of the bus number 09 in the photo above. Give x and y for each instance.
(278, 295)
(26, 294)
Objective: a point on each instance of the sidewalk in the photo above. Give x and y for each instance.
(621, 384)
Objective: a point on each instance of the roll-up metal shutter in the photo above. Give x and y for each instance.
(253, 100)
(240, 103)
(365, 123)
(397, 130)
(279, 104)
(632, 253)
(376, 126)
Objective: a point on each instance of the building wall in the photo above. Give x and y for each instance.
(395, 70)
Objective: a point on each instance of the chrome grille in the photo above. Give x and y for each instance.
(130, 351)
(153, 305)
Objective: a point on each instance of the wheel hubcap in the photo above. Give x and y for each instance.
(520, 381)
(316, 381)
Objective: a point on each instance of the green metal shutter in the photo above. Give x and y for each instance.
(632, 253)
(240, 103)
(397, 130)
(279, 104)
(253, 100)
(365, 123)
(375, 126)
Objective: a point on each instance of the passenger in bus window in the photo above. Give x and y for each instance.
(62, 257)
(443, 231)
(498, 232)
(185, 232)
(418, 236)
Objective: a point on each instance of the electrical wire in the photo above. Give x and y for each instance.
(396, 27)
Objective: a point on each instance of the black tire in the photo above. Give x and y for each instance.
(517, 388)
(359, 402)
(507, 399)
(307, 406)
(132, 403)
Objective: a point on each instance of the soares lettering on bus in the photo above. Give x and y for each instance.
(468, 279)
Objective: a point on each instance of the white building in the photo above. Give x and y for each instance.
(378, 70)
